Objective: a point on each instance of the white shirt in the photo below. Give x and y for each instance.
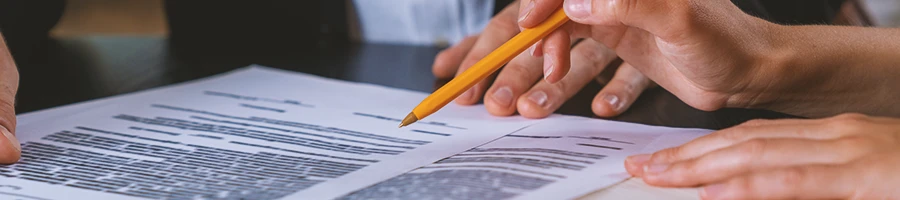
(421, 22)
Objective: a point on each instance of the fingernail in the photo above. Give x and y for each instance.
(539, 98)
(548, 66)
(638, 159)
(655, 168)
(503, 96)
(712, 191)
(531, 50)
(578, 8)
(11, 138)
(613, 101)
(466, 95)
(548, 71)
(526, 11)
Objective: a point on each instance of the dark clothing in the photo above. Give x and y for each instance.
(792, 12)
(26, 24)
(272, 26)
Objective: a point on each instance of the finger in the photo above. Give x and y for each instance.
(517, 77)
(534, 12)
(447, 62)
(635, 164)
(659, 17)
(620, 92)
(588, 59)
(738, 134)
(556, 56)
(10, 149)
(500, 29)
(801, 182)
(750, 156)
(774, 122)
(537, 50)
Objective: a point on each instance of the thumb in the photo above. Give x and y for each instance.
(10, 149)
(658, 17)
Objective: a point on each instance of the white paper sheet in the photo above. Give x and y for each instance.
(558, 158)
(256, 133)
(536, 162)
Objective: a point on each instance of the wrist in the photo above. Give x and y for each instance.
(818, 71)
(769, 64)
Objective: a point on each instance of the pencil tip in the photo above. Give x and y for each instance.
(411, 118)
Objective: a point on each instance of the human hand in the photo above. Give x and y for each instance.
(10, 149)
(849, 156)
(518, 86)
(708, 53)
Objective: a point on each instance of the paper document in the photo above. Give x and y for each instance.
(261, 133)
(252, 134)
(558, 158)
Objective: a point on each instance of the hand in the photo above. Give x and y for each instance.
(850, 156)
(518, 86)
(711, 55)
(10, 149)
(705, 52)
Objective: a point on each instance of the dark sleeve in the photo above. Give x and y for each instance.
(26, 24)
(792, 12)
(778, 11)
(256, 27)
(499, 5)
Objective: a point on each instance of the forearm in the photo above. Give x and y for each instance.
(826, 70)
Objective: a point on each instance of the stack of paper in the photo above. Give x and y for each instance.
(260, 133)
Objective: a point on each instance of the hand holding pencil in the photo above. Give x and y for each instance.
(659, 39)
(482, 69)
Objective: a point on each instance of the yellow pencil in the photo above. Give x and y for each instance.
(484, 67)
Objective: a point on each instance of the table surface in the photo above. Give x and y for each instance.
(70, 70)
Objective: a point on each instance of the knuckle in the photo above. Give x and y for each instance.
(624, 89)
(790, 177)
(442, 57)
(852, 148)
(849, 123)
(594, 52)
(502, 23)
(667, 155)
(733, 134)
(563, 87)
(756, 122)
(517, 69)
(587, 52)
(852, 142)
(627, 86)
(753, 149)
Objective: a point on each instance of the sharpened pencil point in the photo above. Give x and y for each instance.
(411, 118)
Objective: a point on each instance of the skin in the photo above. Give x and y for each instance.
(533, 85)
(10, 149)
(711, 55)
(850, 156)
(518, 88)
